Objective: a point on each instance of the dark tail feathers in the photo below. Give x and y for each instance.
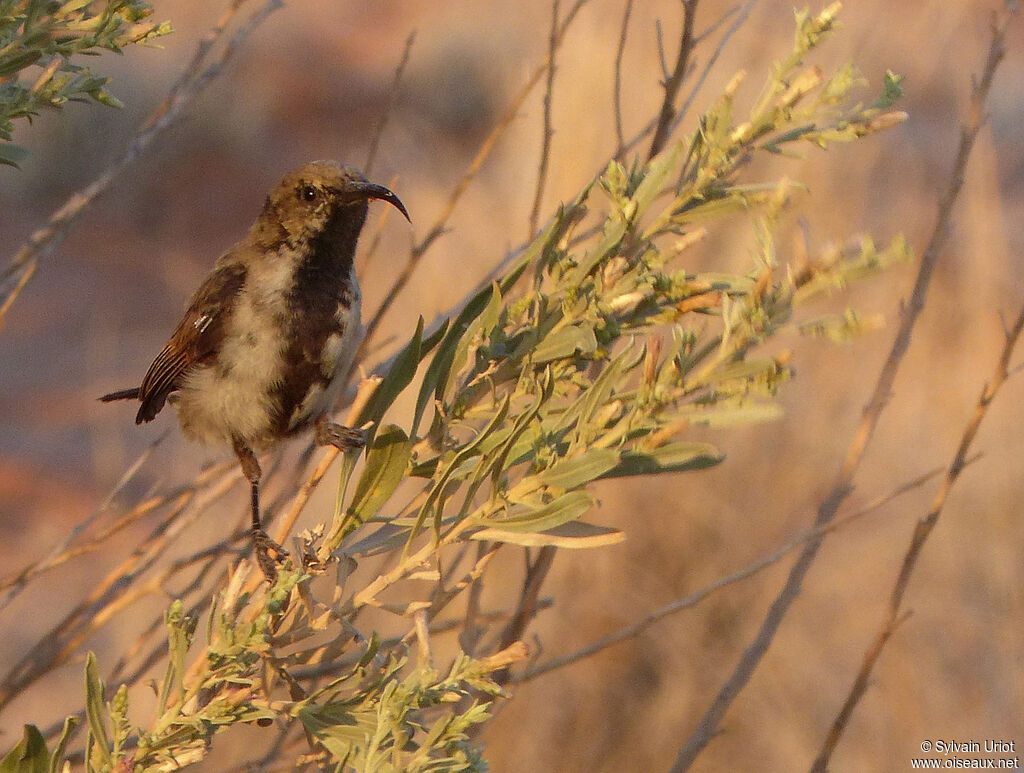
(124, 394)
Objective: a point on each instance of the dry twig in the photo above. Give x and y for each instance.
(675, 80)
(545, 143)
(922, 531)
(441, 224)
(692, 599)
(45, 240)
(389, 107)
(843, 485)
(620, 139)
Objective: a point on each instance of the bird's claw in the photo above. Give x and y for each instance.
(263, 545)
(345, 439)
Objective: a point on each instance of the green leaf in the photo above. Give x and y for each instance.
(566, 342)
(728, 414)
(401, 373)
(11, 154)
(336, 729)
(671, 457)
(439, 371)
(95, 710)
(481, 326)
(749, 369)
(385, 468)
(104, 97)
(655, 176)
(178, 640)
(56, 762)
(560, 510)
(456, 462)
(577, 470)
(18, 62)
(29, 756)
(892, 91)
(592, 398)
(572, 535)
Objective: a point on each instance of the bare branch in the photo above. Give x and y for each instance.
(527, 607)
(67, 549)
(659, 39)
(674, 81)
(45, 240)
(59, 644)
(699, 83)
(545, 146)
(620, 140)
(389, 107)
(691, 600)
(921, 533)
(441, 224)
(751, 658)
(698, 39)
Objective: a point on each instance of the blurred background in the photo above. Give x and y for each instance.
(311, 83)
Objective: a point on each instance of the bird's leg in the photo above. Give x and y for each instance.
(345, 439)
(261, 541)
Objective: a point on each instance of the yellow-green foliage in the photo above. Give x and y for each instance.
(588, 357)
(39, 38)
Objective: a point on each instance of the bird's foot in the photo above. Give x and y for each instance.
(263, 545)
(345, 439)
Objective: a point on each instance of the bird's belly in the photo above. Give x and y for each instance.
(231, 396)
(264, 384)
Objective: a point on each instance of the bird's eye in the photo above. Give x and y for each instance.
(307, 192)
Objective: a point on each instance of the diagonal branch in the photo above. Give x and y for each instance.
(620, 139)
(396, 81)
(693, 599)
(843, 485)
(45, 240)
(921, 533)
(668, 109)
(440, 226)
(545, 145)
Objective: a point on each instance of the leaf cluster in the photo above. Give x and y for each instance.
(47, 34)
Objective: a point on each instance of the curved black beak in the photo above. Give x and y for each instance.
(373, 191)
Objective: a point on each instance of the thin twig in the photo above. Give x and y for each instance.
(469, 637)
(691, 600)
(633, 142)
(922, 531)
(527, 607)
(58, 645)
(659, 42)
(843, 485)
(545, 144)
(45, 240)
(675, 80)
(620, 140)
(148, 505)
(440, 226)
(389, 107)
(744, 14)
(698, 39)
(67, 549)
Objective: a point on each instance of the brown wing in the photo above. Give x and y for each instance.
(196, 338)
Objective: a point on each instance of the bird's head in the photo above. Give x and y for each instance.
(325, 195)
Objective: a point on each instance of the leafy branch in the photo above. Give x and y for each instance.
(47, 34)
(588, 358)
